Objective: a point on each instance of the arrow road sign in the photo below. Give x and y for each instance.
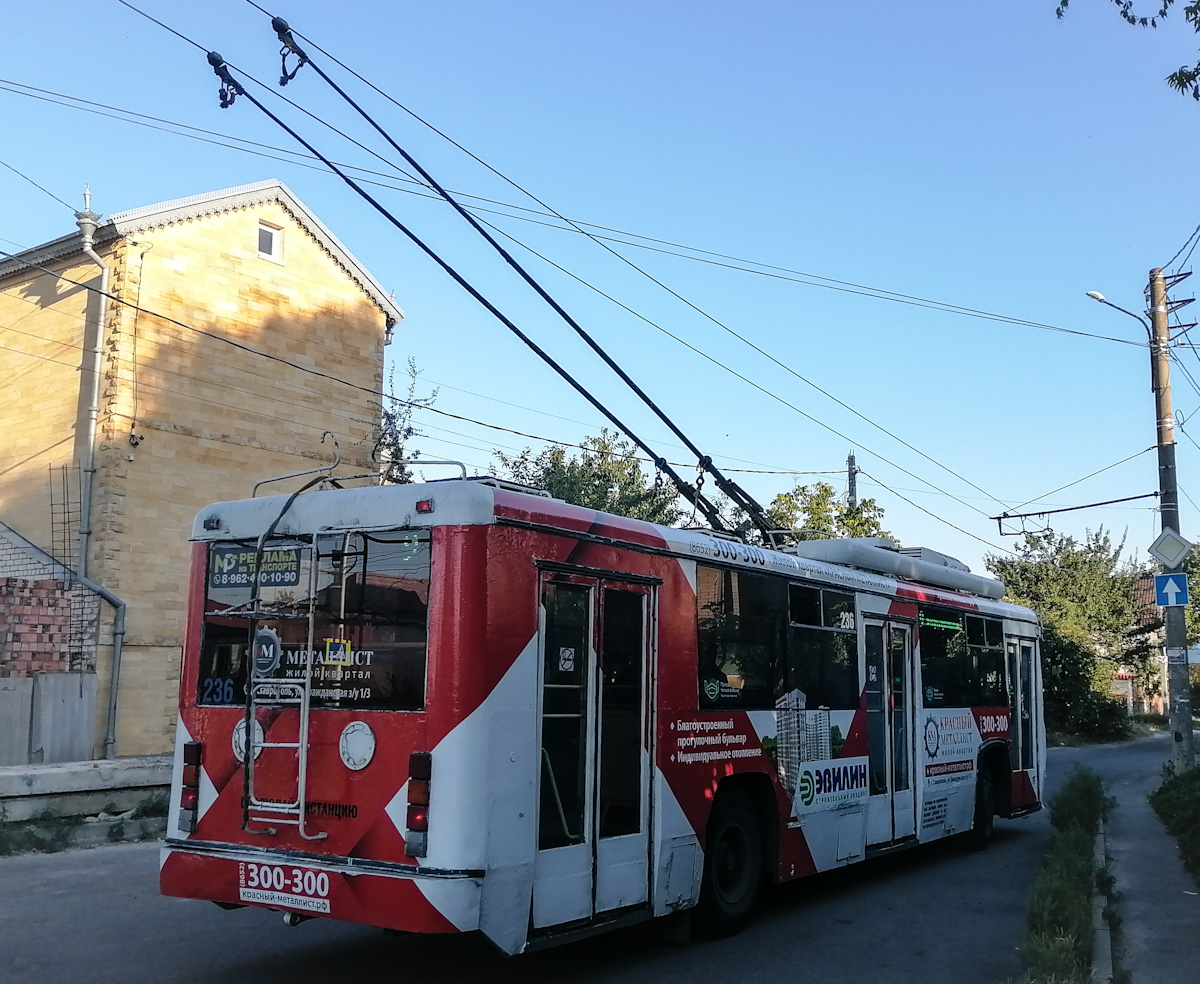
(1170, 590)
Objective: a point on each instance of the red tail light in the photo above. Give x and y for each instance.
(189, 794)
(416, 836)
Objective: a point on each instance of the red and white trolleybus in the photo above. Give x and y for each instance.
(460, 706)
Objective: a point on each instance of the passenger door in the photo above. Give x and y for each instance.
(890, 748)
(594, 774)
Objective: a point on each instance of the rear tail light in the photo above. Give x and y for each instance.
(416, 836)
(189, 794)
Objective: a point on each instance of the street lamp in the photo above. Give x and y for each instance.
(1183, 747)
(1095, 295)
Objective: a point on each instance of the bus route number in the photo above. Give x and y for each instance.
(298, 881)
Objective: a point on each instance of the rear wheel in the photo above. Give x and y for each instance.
(985, 821)
(733, 868)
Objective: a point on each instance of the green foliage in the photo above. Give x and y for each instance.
(1083, 593)
(606, 475)
(1177, 801)
(396, 428)
(1081, 803)
(154, 805)
(816, 511)
(1058, 912)
(1186, 79)
(45, 831)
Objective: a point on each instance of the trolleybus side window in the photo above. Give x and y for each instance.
(822, 647)
(741, 621)
(760, 638)
(369, 614)
(962, 659)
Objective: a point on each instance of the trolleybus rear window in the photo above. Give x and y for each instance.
(366, 600)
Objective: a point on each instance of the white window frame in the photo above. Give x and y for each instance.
(276, 254)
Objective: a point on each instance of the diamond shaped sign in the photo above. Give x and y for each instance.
(1169, 549)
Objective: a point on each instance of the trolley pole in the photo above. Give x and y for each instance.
(1183, 752)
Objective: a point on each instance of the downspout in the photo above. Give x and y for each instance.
(118, 643)
(88, 222)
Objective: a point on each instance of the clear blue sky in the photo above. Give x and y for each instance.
(980, 154)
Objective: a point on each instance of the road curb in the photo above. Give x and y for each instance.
(1102, 955)
(53, 836)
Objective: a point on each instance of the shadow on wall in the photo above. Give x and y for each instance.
(208, 420)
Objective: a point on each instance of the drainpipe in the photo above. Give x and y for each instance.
(118, 643)
(88, 221)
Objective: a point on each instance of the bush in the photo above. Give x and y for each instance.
(1177, 801)
(1081, 803)
(1058, 912)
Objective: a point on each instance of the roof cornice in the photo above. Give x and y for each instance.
(121, 224)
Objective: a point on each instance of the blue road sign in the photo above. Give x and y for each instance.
(1170, 590)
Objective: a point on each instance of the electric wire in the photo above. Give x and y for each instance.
(791, 406)
(737, 494)
(20, 174)
(692, 494)
(933, 515)
(1194, 236)
(731, 489)
(289, 130)
(829, 282)
(681, 341)
(315, 372)
(738, 264)
(1078, 481)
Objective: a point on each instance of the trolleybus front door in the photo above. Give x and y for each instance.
(888, 691)
(594, 780)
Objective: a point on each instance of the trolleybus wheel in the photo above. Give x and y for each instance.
(984, 822)
(733, 868)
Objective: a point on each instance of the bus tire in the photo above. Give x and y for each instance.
(984, 822)
(733, 868)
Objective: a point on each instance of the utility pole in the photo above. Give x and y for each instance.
(1183, 752)
(852, 476)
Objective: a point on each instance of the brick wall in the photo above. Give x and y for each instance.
(35, 627)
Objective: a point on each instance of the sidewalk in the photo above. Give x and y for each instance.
(1159, 936)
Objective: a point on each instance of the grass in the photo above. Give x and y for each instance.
(154, 805)
(1058, 911)
(1177, 802)
(43, 832)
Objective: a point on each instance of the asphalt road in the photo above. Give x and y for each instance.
(938, 913)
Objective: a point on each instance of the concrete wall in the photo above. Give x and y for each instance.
(50, 717)
(16, 710)
(63, 719)
(82, 788)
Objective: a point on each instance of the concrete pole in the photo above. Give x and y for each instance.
(852, 473)
(1183, 752)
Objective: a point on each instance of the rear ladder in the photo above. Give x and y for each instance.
(278, 693)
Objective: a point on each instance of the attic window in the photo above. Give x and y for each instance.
(270, 242)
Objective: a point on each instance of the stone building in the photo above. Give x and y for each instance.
(237, 332)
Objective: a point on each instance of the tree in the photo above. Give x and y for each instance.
(606, 475)
(1187, 79)
(396, 428)
(816, 511)
(1083, 592)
